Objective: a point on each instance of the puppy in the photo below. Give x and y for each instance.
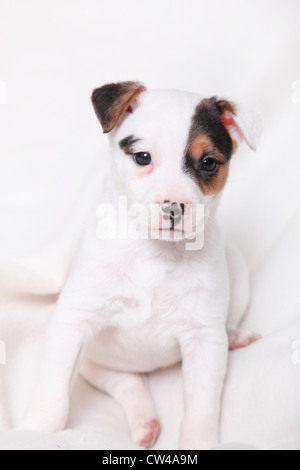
(148, 299)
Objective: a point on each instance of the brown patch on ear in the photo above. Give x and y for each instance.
(113, 100)
(217, 183)
(225, 105)
(227, 111)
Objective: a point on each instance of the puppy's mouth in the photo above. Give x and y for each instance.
(171, 229)
(174, 222)
(172, 234)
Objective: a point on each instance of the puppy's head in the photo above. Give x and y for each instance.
(171, 150)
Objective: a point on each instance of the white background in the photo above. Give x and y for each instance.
(52, 157)
(52, 54)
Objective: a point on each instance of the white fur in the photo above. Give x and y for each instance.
(250, 125)
(133, 306)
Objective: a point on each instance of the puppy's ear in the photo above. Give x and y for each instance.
(241, 123)
(112, 101)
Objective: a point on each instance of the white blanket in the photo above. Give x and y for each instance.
(52, 162)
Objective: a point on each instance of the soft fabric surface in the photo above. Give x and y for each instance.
(52, 162)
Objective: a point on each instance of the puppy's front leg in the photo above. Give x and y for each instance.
(65, 342)
(204, 359)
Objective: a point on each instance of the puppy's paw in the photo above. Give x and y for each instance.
(46, 414)
(44, 425)
(241, 338)
(146, 434)
(195, 436)
(197, 444)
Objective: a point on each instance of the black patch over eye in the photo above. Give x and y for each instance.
(142, 158)
(209, 165)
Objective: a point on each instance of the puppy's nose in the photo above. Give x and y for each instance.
(173, 211)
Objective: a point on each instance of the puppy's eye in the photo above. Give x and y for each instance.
(209, 165)
(142, 158)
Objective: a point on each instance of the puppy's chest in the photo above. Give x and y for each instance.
(142, 336)
(153, 290)
(153, 299)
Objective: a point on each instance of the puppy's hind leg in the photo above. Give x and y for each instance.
(132, 392)
(239, 300)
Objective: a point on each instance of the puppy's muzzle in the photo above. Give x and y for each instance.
(173, 212)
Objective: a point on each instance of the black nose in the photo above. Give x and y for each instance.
(173, 211)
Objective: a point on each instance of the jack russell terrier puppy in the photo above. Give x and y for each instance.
(135, 304)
